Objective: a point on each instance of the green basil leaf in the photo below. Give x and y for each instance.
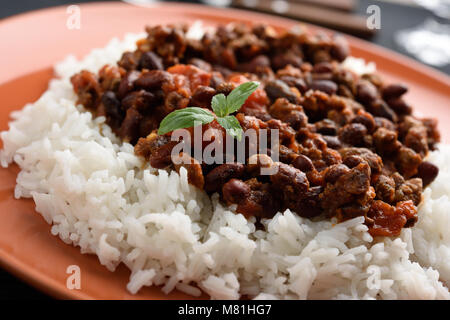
(219, 105)
(184, 118)
(237, 97)
(232, 126)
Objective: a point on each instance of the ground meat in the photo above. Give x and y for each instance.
(291, 182)
(202, 96)
(409, 190)
(192, 166)
(427, 172)
(385, 141)
(385, 188)
(348, 145)
(373, 160)
(349, 185)
(110, 77)
(87, 88)
(353, 134)
(155, 149)
(288, 112)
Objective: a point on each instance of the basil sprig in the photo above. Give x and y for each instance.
(223, 106)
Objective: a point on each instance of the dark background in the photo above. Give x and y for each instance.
(393, 17)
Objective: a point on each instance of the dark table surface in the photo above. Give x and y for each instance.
(393, 17)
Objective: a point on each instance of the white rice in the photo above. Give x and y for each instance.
(99, 196)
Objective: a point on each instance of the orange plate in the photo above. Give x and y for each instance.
(33, 42)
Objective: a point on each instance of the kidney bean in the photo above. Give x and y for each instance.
(216, 79)
(139, 100)
(279, 89)
(393, 91)
(256, 64)
(309, 205)
(353, 160)
(289, 179)
(326, 127)
(428, 172)
(303, 163)
(129, 130)
(332, 142)
(353, 134)
(384, 123)
(321, 56)
(282, 60)
(201, 64)
(151, 61)
(340, 49)
(160, 158)
(153, 79)
(365, 119)
(218, 176)
(127, 83)
(327, 86)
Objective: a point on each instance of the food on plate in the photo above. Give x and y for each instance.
(349, 145)
(356, 205)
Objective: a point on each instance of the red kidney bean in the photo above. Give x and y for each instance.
(366, 92)
(399, 106)
(327, 86)
(112, 107)
(332, 142)
(202, 96)
(218, 176)
(303, 163)
(340, 49)
(295, 82)
(381, 109)
(353, 134)
(127, 83)
(235, 191)
(151, 61)
(322, 67)
(279, 89)
(393, 91)
(153, 79)
(428, 172)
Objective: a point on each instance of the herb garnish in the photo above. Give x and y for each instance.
(223, 106)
